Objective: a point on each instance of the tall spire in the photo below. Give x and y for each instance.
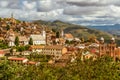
(62, 33)
(11, 15)
(44, 31)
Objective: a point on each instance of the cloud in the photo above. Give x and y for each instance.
(48, 5)
(3, 4)
(93, 2)
(74, 11)
(29, 5)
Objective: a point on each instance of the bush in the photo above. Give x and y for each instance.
(22, 48)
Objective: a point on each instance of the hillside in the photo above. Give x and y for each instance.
(113, 29)
(76, 30)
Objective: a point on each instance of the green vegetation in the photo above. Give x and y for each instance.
(101, 69)
(31, 41)
(77, 30)
(8, 27)
(17, 41)
(3, 45)
(57, 34)
(39, 57)
(22, 48)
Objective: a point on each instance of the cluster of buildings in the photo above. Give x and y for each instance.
(44, 39)
(10, 28)
(101, 48)
(45, 42)
(23, 61)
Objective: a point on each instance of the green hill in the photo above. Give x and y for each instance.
(76, 30)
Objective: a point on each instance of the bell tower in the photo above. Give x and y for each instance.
(11, 15)
(44, 33)
(102, 47)
(62, 33)
(112, 47)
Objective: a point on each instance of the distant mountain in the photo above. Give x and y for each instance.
(113, 29)
(76, 30)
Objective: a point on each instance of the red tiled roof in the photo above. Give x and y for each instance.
(2, 52)
(93, 50)
(69, 35)
(31, 62)
(23, 38)
(37, 46)
(47, 47)
(14, 58)
(54, 47)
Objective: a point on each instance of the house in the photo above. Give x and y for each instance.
(24, 61)
(94, 45)
(38, 39)
(17, 60)
(25, 53)
(49, 50)
(11, 41)
(61, 41)
(32, 63)
(23, 40)
(10, 37)
(69, 37)
(81, 46)
(2, 53)
(88, 55)
(56, 50)
(1, 39)
(37, 48)
(117, 52)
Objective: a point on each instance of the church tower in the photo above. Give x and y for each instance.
(13, 19)
(62, 33)
(102, 47)
(112, 47)
(44, 33)
(12, 16)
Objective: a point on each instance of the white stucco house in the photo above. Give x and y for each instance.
(23, 40)
(38, 39)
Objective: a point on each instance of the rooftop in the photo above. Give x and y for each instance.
(2, 52)
(36, 37)
(15, 58)
(68, 35)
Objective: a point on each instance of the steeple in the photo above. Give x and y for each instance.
(62, 33)
(112, 40)
(101, 40)
(11, 15)
(44, 32)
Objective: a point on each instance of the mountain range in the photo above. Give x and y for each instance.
(113, 29)
(77, 30)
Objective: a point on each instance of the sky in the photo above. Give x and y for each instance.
(84, 12)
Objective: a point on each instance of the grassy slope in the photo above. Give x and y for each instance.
(76, 30)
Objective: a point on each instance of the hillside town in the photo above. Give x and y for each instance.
(20, 40)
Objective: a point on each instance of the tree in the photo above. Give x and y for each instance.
(8, 27)
(17, 41)
(31, 41)
(82, 39)
(54, 30)
(57, 34)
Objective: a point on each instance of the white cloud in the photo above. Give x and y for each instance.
(29, 5)
(3, 4)
(76, 11)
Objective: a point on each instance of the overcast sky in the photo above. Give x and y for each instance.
(86, 12)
